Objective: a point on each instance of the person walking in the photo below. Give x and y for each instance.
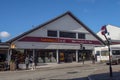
(32, 63)
(16, 63)
(27, 62)
(93, 59)
(83, 57)
(6, 65)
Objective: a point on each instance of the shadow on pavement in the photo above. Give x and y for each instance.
(83, 78)
(105, 76)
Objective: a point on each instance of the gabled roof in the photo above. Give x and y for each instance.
(114, 33)
(67, 13)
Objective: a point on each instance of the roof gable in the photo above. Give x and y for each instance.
(40, 26)
(114, 32)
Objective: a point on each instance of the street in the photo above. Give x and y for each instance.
(76, 72)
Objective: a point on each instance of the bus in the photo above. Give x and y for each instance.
(102, 54)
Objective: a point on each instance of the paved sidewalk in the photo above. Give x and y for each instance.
(49, 66)
(100, 74)
(97, 75)
(62, 65)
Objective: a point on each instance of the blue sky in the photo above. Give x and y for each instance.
(18, 16)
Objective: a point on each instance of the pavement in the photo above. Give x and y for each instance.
(61, 65)
(98, 74)
(104, 74)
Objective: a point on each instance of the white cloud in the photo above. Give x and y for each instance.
(4, 34)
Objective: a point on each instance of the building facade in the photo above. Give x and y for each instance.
(63, 39)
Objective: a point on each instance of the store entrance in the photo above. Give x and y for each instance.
(86, 53)
(67, 56)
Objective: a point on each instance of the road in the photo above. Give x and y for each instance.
(79, 72)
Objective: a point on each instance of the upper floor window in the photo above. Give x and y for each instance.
(81, 36)
(67, 34)
(52, 33)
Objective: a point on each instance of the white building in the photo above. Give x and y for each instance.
(114, 34)
(62, 39)
(102, 52)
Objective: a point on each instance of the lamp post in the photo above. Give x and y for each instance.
(103, 32)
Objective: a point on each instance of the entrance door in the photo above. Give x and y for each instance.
(67, 56)
(86, 53)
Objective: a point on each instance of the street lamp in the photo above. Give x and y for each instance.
(108, 39)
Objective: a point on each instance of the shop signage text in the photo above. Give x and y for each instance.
(58, 40)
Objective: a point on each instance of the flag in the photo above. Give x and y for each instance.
(103, 30)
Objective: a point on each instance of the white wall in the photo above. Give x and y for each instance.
(66, 23)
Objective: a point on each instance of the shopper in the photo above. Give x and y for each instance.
(6, 65)
(32, 63)
(83, 58)
(93, 59)
(16, 63)
(27, 62)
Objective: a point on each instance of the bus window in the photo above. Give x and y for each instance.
(116, 52)
(104, 53)
(97, 53)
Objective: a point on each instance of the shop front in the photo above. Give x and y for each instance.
(4, 50)
(56, 41)
(44, 56)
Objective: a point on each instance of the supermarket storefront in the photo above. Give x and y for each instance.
(50, 56)
(52, 50)
(59, 40)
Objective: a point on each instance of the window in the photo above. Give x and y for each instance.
(97, 53)
(67, 34)
(52, 33)
(46, 56)
(81, 36)
(104, 53)
(116, 52)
